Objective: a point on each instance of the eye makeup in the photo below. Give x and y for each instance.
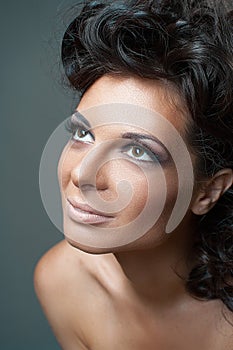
(149, 142)
(156, 152)
(75, 123)
(143, 153)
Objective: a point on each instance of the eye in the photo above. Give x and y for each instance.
(140, 153)
(83, 135)
(78, 131)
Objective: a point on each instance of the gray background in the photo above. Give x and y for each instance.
(32, 104)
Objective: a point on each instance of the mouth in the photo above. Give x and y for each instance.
(83, 213)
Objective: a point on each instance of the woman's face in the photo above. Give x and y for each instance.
(100, 156)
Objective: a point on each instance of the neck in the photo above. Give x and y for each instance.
(153, 274)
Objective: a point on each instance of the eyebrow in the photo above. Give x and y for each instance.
(138, 136)
(82, 119)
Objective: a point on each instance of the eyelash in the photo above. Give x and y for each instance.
(72, 128)
(154, 156)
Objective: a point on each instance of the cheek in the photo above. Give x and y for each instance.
(156, 235)
(163, 195)
(139, 196)
(142, 193)
(172, 191)
(127, 184)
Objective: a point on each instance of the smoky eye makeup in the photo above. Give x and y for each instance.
(79, 128)
(138, 147)
(150, 144)
(141, 153)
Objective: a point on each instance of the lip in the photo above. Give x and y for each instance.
(83, 213)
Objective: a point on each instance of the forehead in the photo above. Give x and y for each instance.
(153, 95)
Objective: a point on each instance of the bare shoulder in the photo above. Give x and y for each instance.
(61, 280)
(66, 267)
(57, 266)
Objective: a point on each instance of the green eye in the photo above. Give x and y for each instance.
(140, 153)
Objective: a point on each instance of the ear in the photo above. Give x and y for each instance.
(208, 195)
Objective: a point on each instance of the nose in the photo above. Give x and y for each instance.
(90, 173)
(100, 170)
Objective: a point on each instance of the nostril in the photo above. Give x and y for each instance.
(87, 187)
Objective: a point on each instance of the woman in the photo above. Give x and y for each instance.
(154, 290)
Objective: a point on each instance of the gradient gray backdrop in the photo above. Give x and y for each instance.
(32, 104)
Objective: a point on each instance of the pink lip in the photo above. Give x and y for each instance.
(83, 213)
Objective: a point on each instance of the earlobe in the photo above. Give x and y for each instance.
(202, 204)
(214, 188)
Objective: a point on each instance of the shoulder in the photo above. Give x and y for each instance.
(57, 267)
(60, 278)
(65, 271)
(72, 287)
(66, 266)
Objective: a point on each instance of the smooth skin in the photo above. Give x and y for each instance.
(130, 297)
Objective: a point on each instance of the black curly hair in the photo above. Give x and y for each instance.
(190, 44)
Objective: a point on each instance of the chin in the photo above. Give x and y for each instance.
(133, 246)
(89, 249)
